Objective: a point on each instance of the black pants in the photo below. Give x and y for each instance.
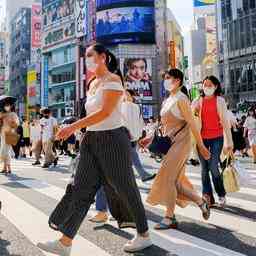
(105, 159)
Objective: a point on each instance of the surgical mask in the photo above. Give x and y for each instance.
(7, 108)
(209, 91)
(90, 64)
(169, 85)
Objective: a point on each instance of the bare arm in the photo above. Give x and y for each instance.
(187, 114)
(110, 101)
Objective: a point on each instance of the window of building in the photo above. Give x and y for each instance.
(248, 31)
(63, 112)
(252, 4)
(250, 76)
(246, 6)
(253, 17)
(242, 33)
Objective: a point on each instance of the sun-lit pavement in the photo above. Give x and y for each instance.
(31, 193)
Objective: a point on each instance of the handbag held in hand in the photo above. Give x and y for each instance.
(11, 137)
(161, 144)
(230, 176)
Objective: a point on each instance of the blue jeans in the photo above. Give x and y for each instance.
(137, 163)
(215, 146)
(101, 200)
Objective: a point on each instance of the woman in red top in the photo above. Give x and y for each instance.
(216, 132)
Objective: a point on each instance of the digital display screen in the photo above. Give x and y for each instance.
(101, 4)
(128, 24)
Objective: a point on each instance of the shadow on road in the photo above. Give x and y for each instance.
(3, 247)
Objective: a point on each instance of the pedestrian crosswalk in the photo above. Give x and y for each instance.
(26, 212)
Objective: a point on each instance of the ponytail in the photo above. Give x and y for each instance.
(113, 66)
(111, 60)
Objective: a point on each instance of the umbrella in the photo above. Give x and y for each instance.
(69, 120)
(7, 99)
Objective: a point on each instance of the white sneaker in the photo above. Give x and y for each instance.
(222, 201)
(138, 243)
(55, 247)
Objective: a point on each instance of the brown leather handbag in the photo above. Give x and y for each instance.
(11, 137)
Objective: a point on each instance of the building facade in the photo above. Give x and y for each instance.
(203, 43)
(59, 57)
(176, 42)
(20, 53)
(237, 49)
(3, 39)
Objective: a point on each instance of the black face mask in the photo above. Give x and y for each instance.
(47, 117)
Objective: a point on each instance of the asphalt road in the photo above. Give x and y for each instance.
(30, 194)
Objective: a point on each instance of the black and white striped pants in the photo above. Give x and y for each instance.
(105, 158)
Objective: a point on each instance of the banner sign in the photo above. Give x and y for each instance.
(81, 18)
(36, 26)
(59, 35)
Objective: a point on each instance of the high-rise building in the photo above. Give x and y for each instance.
(20, 53)
(203, 42)
(59, 57)
(237, 49)
(3, 38)
(13, 6)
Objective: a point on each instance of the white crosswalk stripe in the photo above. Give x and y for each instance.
(20, 213)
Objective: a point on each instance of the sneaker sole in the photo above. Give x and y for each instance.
(137, 249)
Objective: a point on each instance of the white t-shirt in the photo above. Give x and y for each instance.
(171, 105)
(35, 132)
(250, 124)
(94, 104)
(48, 128)
(132, 119)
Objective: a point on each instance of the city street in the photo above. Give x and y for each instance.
(30, 194)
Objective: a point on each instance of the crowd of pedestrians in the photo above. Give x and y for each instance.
(109, 136)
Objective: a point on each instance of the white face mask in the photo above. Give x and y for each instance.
(209, 91)
(90, 64)
(169, 85)
(7, 108)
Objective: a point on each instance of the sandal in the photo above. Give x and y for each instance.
(163, 226)
(206, 212)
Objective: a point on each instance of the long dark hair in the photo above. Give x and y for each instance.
(251, 109)
(216, 82)
(12, 107)
(178, 74)
(111, 60)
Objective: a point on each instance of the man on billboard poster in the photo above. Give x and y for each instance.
(138, 78)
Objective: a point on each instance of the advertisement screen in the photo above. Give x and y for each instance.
(100, 4)
(57, 11)
(128, 24)
(199, 3)
(138, 76)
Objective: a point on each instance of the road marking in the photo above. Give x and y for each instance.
(243, 226)
(33, 224)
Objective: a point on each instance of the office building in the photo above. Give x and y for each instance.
(237, 49)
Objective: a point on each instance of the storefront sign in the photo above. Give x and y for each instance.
(81, 18)
(59, 35)
(36, 26)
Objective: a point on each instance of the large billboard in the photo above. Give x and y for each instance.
(100, 4)
(57, 11)
(138, 76)
(199, 3)
(81, 17)
(58, 35)
(126, 24)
